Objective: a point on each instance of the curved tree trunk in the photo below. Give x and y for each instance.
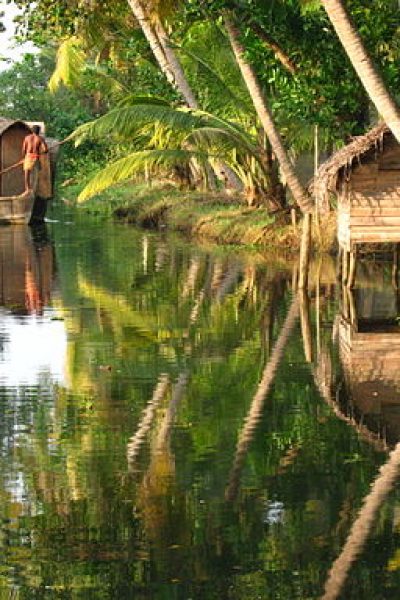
(300, 195)
(172, 68)
(360, 530)
(154, 42)
(362, 63)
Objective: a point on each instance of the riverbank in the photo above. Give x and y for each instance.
(217, 217)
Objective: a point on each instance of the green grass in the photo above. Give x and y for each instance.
(213, 216)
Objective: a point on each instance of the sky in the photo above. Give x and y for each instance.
(8, 49)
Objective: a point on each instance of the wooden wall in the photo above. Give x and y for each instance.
(370, 363)
(369, 203)
(12, 183)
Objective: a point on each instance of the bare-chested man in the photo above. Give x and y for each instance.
(34, 145)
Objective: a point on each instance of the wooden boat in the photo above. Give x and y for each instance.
(17, 205)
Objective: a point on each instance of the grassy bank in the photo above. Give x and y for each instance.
(217, 217)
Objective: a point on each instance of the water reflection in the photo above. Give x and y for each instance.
(369, 348)
(33, 343)
(193, 448)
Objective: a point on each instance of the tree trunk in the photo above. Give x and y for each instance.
(171, 67)
(362, 63)
(154, 42)
(181, 83)
(299, 193)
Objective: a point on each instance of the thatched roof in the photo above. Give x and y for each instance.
(7, 123)
(364, 147)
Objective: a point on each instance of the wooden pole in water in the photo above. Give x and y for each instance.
(345, 266)
(339, 264)
(305, 324)
(305, 250)
(352, 268)
(395, 268)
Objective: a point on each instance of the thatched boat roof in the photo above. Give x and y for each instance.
(363, 147)
(7, 123)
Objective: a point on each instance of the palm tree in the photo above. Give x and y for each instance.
(260, 104)
(168, 136)
(362, 63)
(163, 52)
(171, 66)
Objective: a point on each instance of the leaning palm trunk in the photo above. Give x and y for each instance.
(182, 84)
(255, 413)
(154, 42)
(173, 70)
(260, 104)
(383, 484)
(362, 63)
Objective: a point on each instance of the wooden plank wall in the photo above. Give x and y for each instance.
(374, 193)
(12, 183)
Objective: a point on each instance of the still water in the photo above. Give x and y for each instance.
(176, 423)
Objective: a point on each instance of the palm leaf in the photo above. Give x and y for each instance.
(126, 121)
(126, 167)
(70, 63)
(224, 89)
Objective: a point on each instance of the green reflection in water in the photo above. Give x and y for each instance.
(153, 465)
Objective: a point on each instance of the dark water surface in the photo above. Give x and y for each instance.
(177, 424)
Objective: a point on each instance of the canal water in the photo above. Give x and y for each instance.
(177, 423)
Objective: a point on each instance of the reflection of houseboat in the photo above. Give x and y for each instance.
(26, 271)
(16, 205)
(369, 347)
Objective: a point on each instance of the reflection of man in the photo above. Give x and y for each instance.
(34, 145)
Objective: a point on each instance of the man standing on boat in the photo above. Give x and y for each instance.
(34, 145)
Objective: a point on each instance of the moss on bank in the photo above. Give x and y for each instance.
(217, 217)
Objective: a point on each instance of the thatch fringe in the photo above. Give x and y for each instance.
(363, 148)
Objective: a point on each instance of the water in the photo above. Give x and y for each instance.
(163, 435)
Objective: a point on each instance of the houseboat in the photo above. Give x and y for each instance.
(16, 204)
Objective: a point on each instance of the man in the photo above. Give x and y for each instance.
(34, 145)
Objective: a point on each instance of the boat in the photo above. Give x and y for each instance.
(16, 204)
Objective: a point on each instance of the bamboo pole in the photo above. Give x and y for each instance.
(305, 323)
(305, 249)
(345, 266)
(352, 268)
(395, 268)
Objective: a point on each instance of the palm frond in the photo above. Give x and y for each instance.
(70, 63)
(134, 99)
(220, 138)
(224, 90)
(126, 167)
(124, 122)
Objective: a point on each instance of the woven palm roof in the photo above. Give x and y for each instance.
(361, 148)
(6, 123)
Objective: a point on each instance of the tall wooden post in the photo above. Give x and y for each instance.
(305, 250)
(305, 323)
(339, 264)
(352, 268)
(345, 266)
(395, 268)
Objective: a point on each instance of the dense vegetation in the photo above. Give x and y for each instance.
(161, 88)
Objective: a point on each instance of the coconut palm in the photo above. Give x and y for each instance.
(362, 63)
(260, 104)
(169, 136)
